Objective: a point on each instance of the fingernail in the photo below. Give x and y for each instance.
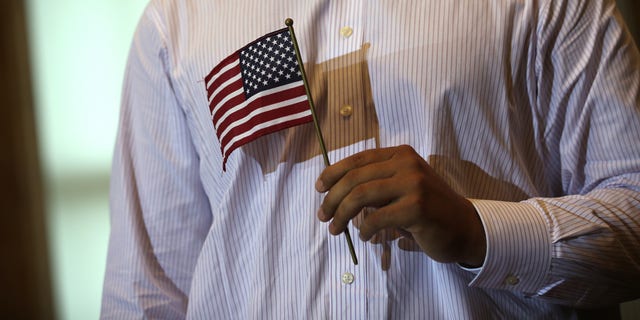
(321, 215)
(333, 229)
(319, 185)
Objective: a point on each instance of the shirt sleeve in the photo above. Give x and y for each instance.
(160, 214)
(580, 247)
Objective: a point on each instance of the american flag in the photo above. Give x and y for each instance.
(255, 91)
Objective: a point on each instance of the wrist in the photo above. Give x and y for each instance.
(476, 247)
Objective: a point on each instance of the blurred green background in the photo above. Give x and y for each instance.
(79, 49)
(79, 53)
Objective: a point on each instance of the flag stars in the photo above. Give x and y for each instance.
(268, 63)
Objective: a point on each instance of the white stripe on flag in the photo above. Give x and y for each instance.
(222, 71)
(253, 98)
(224, 85)
(265, 125)
(258, 111)
(226, 98)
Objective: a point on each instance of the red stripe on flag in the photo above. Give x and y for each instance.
(270, 99)
(260, 133)
(221, 65)
(264, 118)
(222, 78)
(232, 102)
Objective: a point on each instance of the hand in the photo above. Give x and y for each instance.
(409, 196)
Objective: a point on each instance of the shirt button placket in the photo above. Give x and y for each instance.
(346, 111)
(512, 280)
(346, 31)
(348, 278)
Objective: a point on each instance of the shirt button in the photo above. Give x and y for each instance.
(346, 31)
(347, 278)
(346, 111)
(512, 280)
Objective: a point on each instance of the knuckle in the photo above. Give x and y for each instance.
(411, 199)
(406, 150)
(374, 221)
(409, 157)
(417, 182)
(417, 202)
(358, 159)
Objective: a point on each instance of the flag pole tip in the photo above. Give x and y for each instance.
(288, 22)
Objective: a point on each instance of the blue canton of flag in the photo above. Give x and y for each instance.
(268, 63)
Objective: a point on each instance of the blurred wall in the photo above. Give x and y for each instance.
(24, 271)
(78, 60)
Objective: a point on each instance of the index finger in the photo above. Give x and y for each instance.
(335, 172)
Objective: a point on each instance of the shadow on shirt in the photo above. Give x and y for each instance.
(341, 90)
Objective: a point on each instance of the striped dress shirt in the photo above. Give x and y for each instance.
(530, 108)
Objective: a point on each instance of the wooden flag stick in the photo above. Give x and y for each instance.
(289, 23)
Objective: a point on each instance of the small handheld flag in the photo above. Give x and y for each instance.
(255, 91)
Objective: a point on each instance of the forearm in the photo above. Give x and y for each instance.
(160, 214)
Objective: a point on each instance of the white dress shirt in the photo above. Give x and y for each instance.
(528, 107)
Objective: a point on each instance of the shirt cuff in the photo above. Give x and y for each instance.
(519, 246)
